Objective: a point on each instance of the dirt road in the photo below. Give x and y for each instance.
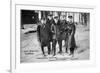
(31, 51)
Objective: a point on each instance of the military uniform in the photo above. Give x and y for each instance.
(57, 35)
(71, 37)
(43, 35)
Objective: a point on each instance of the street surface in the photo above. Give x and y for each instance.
(31, 51)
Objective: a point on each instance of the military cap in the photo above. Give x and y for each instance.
(43, 18)
(70, 17)
(49, 14)
(55, 17)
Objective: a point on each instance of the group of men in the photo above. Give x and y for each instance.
(58, 29)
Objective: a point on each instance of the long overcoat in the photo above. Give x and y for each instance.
(71, 36)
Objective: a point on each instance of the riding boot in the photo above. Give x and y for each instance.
(60, 46)
(71, 51)
(49, 49)
(43, 51)
(66, 50)
(54, 47)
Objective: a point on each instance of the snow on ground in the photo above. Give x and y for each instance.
(31, 51)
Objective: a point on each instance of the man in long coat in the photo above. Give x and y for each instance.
(49, 22)
(56, 34)
(64, 31)
(71, 35)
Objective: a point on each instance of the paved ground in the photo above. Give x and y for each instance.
(31, 52)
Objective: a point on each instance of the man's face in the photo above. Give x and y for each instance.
(56, 20)
(50, 17)
(62, 18)
(70, 20)
(43, 21)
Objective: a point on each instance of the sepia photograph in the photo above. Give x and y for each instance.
(54, 36)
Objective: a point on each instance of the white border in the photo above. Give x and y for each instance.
(15, 49)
